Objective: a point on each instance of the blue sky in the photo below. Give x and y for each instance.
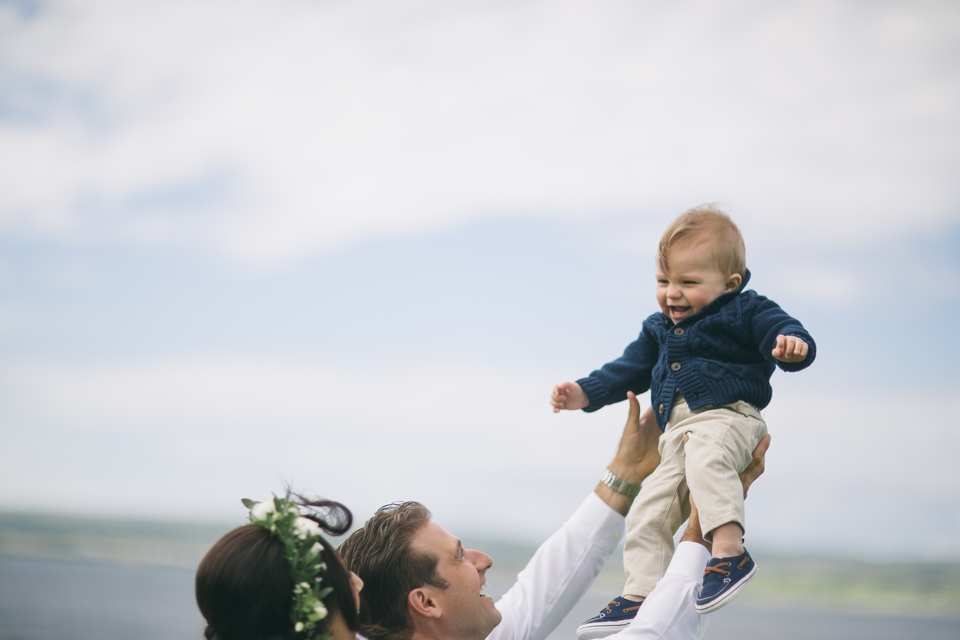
(353, 247)
(507, 290)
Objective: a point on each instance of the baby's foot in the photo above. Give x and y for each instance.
(614, 617)
(723, 580)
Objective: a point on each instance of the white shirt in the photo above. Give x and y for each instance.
(565, 566)
(669, 612)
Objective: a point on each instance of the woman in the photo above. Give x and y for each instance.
(277, 578)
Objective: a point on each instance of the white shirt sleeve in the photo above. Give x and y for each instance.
(560, 572)
(669, 612)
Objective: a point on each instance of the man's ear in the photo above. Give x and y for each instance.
(733, 283)
(422, 601)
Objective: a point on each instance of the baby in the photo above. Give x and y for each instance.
(707, 358)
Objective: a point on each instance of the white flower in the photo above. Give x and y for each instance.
(264, 508)
(304, 527)
(320, 610)
(298, 627)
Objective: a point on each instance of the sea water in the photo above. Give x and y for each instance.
(52, 600)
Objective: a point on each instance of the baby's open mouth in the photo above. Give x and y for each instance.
(678, 312)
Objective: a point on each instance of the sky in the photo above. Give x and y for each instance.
(351, 247)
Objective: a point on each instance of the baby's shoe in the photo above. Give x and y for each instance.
(614, 617)
(723, 580)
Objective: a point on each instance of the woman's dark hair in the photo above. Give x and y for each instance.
(244, 587)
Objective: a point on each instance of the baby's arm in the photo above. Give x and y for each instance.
(781, 337)
(610, 383)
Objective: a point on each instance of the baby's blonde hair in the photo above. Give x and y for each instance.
(707, 222)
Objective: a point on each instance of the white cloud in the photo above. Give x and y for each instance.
(321, 123)
(861, 472)
(188, 438)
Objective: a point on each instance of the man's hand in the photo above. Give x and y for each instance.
(636, 457)
(790, 349)
(568, 395)
(753, 471)
(756, 467)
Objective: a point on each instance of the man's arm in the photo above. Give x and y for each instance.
(565, 566)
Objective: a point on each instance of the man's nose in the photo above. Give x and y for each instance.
(478, 559)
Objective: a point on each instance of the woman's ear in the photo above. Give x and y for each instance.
(733, 282)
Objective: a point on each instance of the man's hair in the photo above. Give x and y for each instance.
(382, 555)
(707, 223)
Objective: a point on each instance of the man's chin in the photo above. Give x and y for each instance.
(496, 617)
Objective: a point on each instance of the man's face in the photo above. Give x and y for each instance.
(465, 611)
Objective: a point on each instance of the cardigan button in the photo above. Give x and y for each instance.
(675, 366)
(661, 408)
(678, 331)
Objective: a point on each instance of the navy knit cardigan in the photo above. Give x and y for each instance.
(715, 357)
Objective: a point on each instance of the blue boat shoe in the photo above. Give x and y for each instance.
(723, 579)
(614, 617)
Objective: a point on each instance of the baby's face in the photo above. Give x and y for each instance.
(693, 281)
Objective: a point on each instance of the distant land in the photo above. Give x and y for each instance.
(909, 588)
(131, 542)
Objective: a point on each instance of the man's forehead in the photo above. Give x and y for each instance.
(433, 537)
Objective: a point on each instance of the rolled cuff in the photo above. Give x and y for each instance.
(596, 394)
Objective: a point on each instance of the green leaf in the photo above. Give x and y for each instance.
(248, 503)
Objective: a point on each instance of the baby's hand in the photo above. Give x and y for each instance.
(568, 395)
(790, 349)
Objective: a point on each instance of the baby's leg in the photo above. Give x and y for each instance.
(727, 540)
(721, 445)
(655, 516)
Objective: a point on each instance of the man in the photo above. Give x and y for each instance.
(421, 584)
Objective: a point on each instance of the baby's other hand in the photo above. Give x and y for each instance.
(568, 395)
(790, 349)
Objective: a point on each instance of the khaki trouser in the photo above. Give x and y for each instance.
(721, 445)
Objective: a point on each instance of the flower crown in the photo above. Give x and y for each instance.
(300, 537)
